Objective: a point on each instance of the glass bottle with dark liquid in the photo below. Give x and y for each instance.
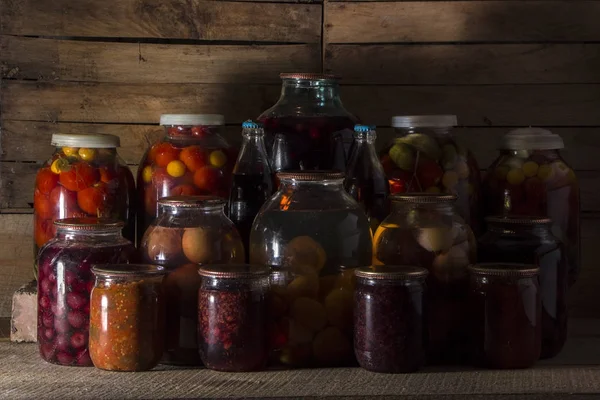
(252, 180)
(365, 178)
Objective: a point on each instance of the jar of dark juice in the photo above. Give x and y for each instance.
(232, 317)
(529, 240)
(308, 128)
(389, 329)
(505, 315)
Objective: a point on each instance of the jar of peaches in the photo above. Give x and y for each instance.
(85, 177)
(192, 159)
(531, 178)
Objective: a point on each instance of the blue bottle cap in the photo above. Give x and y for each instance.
(364, 128)
(251, 125)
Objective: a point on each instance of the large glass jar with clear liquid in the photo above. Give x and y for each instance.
(313, 234)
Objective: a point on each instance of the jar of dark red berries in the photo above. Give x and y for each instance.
(389, 315)
(232, 319)
(424, 230)
(65, 281)
(192, 159)
(505, 315)
(189, 231)
(308, 127)
(531, 178)
(529, 240)
(313, 233)
(425, 157)
(85, 177)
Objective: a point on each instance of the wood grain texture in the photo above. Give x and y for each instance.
(68, 60)
(461, 21)
(165, 19)
(464, 64)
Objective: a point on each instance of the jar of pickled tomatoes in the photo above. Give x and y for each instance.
(85, 177)
(192, 159)
(531, 178)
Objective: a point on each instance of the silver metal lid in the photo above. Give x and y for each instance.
(192, 119)
(96, 141)
(531, 139)
(424, 121)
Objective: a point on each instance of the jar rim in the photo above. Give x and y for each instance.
(192, 119)
(310, 176)
(191, 201)
(89, 224)
(423, 198)
(518, 220)
(424, 121)
(234, 271)
(513, 270)
(392, 272)
(120, 270)
(92, 141)
(309, 76)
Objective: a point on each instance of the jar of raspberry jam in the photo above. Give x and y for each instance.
(232, 317)
(389, 329)
(505, 315)
(192, 159)
(65, 281)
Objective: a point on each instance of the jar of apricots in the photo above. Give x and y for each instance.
(85, 177)
(192, 159)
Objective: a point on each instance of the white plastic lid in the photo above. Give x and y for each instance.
(531, 139)
(97, 141)
(424, 121)
(192, 119)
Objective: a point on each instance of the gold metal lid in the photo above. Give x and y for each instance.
(395, 272)
(89, 224)
(423, 198)
(234, 271)
(308, 76)
(128, 270)
(310, 176)
(518, 220)
(511, 270)
(192, 201)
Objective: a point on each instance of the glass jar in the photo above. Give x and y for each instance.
(65, 281)
(85, 177)
(424, 230)
(127, 321)
(425, 157)
(189, 231)
(232, 326)
(528, 240)
(308, 128)
(389, 329)
(505, 315)
(192, 159)
(312, 233)
(531, 178)
(365, 179)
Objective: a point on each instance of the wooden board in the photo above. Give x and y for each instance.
(461, 21)
(165, 19)
(464, 64)
(69, 60)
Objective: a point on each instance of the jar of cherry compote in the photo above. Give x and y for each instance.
(65, 281)
(84, 177)
(192, 159)
(127, 322)
(425, 157)
(424, 230)
(308, 127)
(389, 329)
(531, 178)
(505, 315)
(232, 322)
(313, 234)
(189, 231)
(529, 240)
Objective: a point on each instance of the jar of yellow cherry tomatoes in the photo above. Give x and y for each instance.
(531, 178)
(192, 159)
(85, 177)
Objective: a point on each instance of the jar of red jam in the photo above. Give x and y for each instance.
(65, 280)
(389, 316)
(529, 240)
(127, 321)
(190, 231)
(85, 177)
(192, 159)
(531, 178)
(425, 157)
(308, 128)
(505, 315)
(232, 317)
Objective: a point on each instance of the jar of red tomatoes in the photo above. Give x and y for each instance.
(425, 157)
(84, 177)
(192, 159)
(65, 281)
(531, 178)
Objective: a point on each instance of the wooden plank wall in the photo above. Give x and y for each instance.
(114, 66)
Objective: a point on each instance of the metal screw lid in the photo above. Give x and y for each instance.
(510, 270)
(308, 76)
(97, 141)
(423, 198)
(531, 139)
(122, 270)
(192, 119)
(424, 121)
(518, 220)
(395, 272)
(234, 271)
(191, 201)
(89, 224)
(310, 176)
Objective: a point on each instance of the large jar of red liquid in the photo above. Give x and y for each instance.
(308, 128)
(84, 177)
(531, 178)
(192, 159)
